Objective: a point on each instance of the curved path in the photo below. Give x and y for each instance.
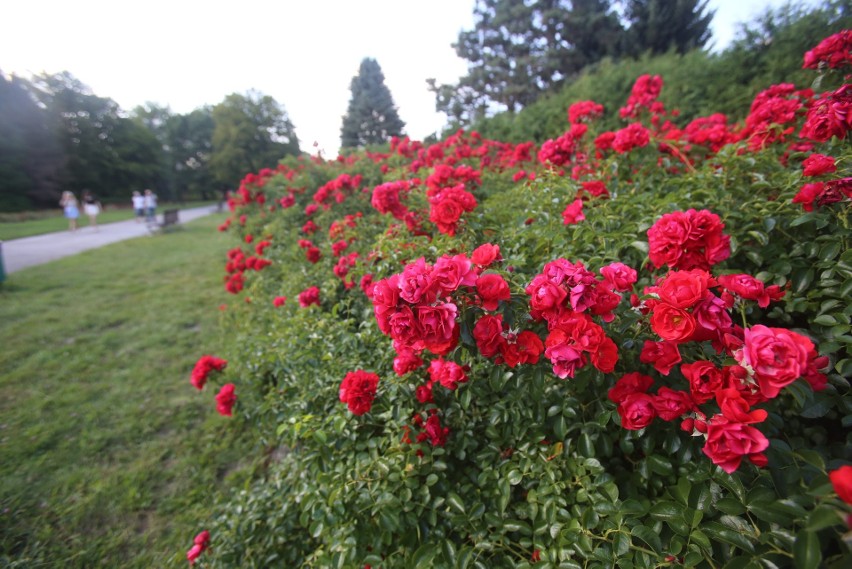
(29, 251)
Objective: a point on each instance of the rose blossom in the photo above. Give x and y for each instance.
(671, 404)
(225, 399)
(728, 442)
(620, 275)
(636, 411)
(492, 288)
(358, 389)
(818, 164)
(488, 333)
(777, 356)
(525, 349)
(485, 254)
(438, 326)
(672, 324)
(841, 479)
(573, 213)
(632, 382)
(663, 355)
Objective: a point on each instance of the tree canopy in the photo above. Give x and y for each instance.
(371, 117)
(250, 132)
(520, 50)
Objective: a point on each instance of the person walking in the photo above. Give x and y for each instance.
(91, 207)
(150, 206)
(70, 209)
(138, 206)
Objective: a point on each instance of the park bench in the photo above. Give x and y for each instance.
(170, 218)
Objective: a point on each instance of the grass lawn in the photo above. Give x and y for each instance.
(108, 456)
(26, 224)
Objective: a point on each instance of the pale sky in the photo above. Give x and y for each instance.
(191, 53)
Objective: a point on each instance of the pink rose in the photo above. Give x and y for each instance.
(777, 356)
(438, 326)
(620, 275)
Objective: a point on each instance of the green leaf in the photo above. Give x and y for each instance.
(621, 544)
(422, 558)
(806, 550)
(648, 536)
(455, 502)
(514, 477)
(720, 533)
(823, 517)
(825, 320)
(667, 511)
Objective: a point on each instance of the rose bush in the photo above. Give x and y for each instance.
(634, 354)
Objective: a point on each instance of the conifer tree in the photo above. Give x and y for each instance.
(659, 25)
(371, 117)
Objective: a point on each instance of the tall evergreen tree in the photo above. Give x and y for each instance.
(371, 117)
(659, 25)
(520, 49)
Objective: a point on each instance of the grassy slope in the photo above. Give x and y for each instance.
(107, 454)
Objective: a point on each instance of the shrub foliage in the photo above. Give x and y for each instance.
(617, 348)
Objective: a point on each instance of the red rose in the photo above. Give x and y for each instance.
(683, 289)
(704, 379)
(279, 301)
(663, 355)
(606, 356)
(672, 324)
(573, 213)
(728, 442)
(309, 296)
(492, 289)
(777, 356)
(545, 296)
(358, 390)
(448, 374)
(225, 399)
(485, 254)
(808, 194)
(666, 239)
(632, 382)
(203, 368)
(841, 479)
(671, 404)
(637, 411)
(818, 164)
(526, 349)
(565, 360)
(747, 287)
(488, 333)
(405, 362)
(438, 326)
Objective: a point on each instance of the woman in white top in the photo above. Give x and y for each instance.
(92, 207)
(138, 206)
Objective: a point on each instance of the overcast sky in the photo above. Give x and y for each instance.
(190, 53)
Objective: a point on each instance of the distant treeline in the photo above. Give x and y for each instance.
(530, 60)
(56, 135)
(766, 51)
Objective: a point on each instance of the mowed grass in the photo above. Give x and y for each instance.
(108, 456)
(27, 224)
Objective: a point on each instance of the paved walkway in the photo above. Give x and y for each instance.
(29, 251)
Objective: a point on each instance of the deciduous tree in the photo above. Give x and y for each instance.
(251, 132)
